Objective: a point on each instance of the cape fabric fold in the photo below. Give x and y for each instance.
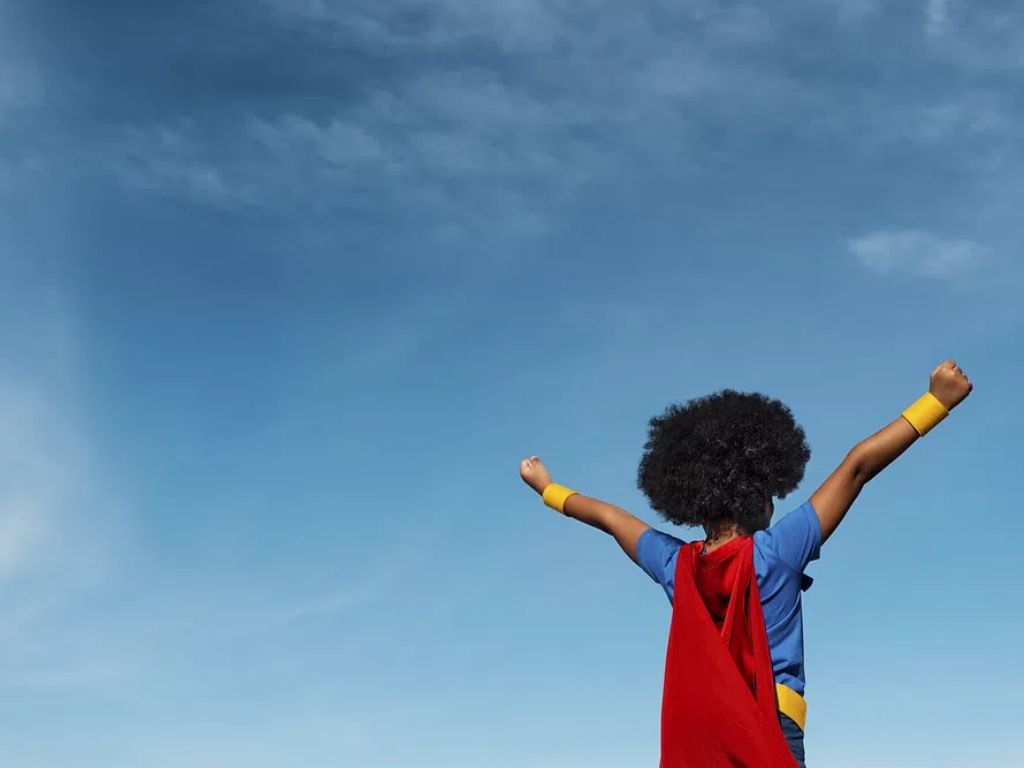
(719, 705)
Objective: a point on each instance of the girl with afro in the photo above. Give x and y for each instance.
(734, 678)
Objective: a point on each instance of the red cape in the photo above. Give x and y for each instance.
(719, 703)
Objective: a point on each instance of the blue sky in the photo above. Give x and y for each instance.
(288, 287)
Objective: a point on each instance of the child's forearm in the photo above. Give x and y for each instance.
(606, 517)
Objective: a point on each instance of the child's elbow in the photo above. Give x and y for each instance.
(857, 467)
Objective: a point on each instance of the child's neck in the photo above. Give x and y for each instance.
(720, 535)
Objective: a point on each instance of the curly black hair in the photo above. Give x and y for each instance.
(718, 458)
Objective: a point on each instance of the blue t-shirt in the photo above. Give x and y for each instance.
(780, 555)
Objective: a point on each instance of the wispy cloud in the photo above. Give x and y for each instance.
(496, 116)
(915, 252)
(443, 126)
(979, 39)
(432, 143)
(525, 25)
(330, 605)
(980, 119)
(167, 157)
(471, 127)
(852, 11)
(504, 111)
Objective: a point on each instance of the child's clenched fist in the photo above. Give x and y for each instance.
(950, 384)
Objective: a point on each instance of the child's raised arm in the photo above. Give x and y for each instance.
(613, 520)
(831, 501)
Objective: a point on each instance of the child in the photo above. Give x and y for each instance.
(717, 462)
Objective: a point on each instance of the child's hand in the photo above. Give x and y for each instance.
(534, 473)
(949, 384)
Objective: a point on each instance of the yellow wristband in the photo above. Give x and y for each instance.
(791, 704)
(555, 496)
(925, 413)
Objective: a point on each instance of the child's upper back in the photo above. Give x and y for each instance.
(781, 553)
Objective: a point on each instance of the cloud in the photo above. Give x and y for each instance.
(470, 111)
(516, 25)
(986, 40)
(443, 126)
(975, 123)
(498, 116)
(167, 157)
(330, 605)
(914, 252)
(338, 143)
(465, 148)
(854, 11)
(461, 129)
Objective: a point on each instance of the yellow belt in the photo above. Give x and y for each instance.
(791, 704)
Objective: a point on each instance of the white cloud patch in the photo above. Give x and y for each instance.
(911, 251)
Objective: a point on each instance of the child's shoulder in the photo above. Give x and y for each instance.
(794, 540)
(658, 545)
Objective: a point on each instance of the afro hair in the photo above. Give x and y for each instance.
(718, 458)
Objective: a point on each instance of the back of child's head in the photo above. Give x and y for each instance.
(719, 459)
